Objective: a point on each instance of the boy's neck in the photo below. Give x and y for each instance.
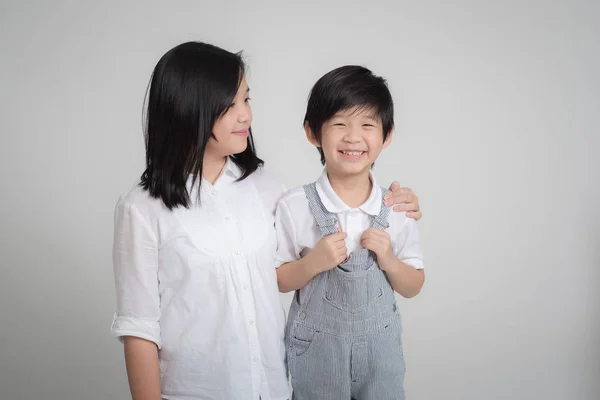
(212, 167)
(353, 190)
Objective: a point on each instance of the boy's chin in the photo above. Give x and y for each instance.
(350, 170)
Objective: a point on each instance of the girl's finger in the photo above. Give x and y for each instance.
(416, 215)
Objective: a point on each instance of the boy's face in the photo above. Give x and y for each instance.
(351, 141)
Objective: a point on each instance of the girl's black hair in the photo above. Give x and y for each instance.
(346, 88)
(192, 85)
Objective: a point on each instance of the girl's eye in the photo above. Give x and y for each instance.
(369, 125)
(339, 124)
(248, 99)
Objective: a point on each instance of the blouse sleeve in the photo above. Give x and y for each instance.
(135, 262)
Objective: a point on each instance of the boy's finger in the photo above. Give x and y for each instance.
(338, 236)
(368, 233)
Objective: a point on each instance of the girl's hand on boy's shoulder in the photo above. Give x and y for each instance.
(403, 199)
(378, 242)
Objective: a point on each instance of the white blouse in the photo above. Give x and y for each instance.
(201, 284)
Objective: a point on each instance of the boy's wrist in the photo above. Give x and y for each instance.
(312, 265)
(387, 262)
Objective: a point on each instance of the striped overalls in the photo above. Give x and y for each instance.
(344, 342)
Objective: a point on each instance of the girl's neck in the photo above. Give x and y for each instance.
(353, 190)
(212, 167)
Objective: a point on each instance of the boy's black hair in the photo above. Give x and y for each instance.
(345, 88)
(192, 85)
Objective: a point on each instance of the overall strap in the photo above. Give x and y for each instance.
(381, 221)
(326, 221)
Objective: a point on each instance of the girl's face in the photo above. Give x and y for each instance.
(231, 130)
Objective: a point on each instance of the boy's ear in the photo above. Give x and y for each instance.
(310, 135)
(388, 139)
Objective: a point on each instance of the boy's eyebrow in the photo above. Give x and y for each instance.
(372, 117)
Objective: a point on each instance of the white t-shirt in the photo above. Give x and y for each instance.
(298, 233)
(200, 284)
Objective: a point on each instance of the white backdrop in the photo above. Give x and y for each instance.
(498, 106)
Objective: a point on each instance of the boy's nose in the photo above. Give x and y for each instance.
(352, 136)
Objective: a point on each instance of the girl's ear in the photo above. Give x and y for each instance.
(310, 135)
(388, 139)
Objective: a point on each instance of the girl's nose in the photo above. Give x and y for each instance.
(245, 114)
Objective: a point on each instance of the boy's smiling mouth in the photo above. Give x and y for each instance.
(352, 154)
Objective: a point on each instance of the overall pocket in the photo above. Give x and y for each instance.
(354, 291)
(301, 344)
(301, 339)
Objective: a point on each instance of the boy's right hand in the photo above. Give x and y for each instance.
(329, 252)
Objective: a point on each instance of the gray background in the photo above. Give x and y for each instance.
(498, 106)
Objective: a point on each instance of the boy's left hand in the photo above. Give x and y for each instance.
(404, 199)
(378, 242)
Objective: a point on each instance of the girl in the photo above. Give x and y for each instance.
(197, 298)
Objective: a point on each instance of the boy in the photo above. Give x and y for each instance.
(343, 336)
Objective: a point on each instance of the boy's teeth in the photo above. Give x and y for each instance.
(353, 153)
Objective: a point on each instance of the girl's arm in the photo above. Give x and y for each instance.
(136, 323)
(141, 360)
